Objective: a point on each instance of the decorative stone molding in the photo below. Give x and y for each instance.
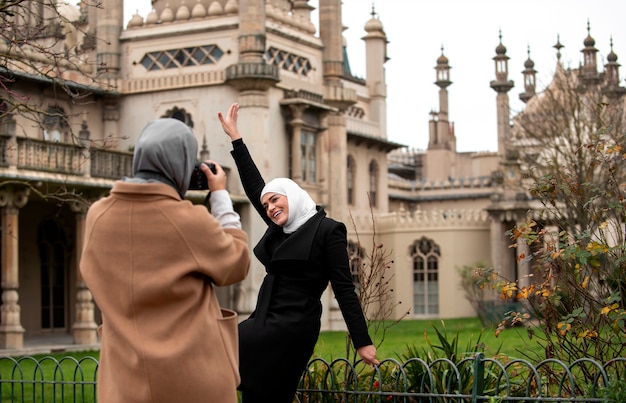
(252, 76)
(420, 219)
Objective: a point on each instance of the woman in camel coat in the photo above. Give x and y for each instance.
(151, 260)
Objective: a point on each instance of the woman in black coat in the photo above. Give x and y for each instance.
(302, 251)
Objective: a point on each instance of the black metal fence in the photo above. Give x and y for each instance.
(473, 379)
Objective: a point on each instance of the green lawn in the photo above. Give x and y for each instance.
(511, 342)
(332, 345)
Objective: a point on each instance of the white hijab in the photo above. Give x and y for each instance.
(301, 205)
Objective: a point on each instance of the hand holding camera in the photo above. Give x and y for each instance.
(199, 180)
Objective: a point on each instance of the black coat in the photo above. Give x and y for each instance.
(278, 339)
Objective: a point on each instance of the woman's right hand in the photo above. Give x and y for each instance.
(217, 180)
(229, 122)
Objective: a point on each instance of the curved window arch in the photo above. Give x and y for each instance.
(373, 183)
(180, 114)
(425, 255)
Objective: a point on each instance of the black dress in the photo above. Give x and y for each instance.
(277, 340)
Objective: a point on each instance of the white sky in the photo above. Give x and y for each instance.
(469, 33)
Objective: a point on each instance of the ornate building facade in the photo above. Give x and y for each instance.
(303, 115)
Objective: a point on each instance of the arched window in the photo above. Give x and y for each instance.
(373, 183)
(180, 114)
(425, 255)
(54, 124)
(350, 179)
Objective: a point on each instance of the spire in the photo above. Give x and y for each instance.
(612, 87)
(558, 48)
(502, 85)
(529, 79)
(440, 135)
(375, 59)
(502, 82)
(252, 74)
(108, 50)
(204, 152)
(443, 71)
(590, 68)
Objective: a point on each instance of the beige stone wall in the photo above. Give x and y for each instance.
(463, 237)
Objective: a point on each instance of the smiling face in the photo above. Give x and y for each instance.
(276, 207)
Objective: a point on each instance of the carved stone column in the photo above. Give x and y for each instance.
(7, 130)
(11, 330)
(84, 328)
(338, 155)
(296, 153)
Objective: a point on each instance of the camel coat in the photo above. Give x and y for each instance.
(151, 260)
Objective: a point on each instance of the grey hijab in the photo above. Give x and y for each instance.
(165, 152)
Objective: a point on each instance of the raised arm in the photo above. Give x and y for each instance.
(229, 122)
(249, 174)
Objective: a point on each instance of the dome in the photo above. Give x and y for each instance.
(152, 17)
(529, 64)
(589, 41)
(231, 7)
(373, 25)
(442, 60)
(135, 21)
(183, 12)
(215, 9)
(500, 49)
(167, 15)
(612, 57)
(198, 11)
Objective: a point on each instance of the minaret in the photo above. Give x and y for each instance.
(376, 56)
(612, 88)
(502, 85)
(338, 97)
(252, 75)
(440, 164)
(331, 34)
(109, 26)
(331, 30)
(590, 66)
(530, 75)
(442, 137)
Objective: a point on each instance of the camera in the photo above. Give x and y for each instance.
(198, 178)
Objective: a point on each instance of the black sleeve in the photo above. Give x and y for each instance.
(250, 176)
(343, 288)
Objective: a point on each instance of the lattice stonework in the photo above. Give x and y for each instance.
(185, 57)
(288, 61)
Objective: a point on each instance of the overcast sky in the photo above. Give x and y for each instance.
(469, 33)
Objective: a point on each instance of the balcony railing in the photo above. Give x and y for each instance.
(110, 164)
(62, 158)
